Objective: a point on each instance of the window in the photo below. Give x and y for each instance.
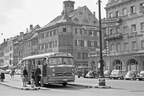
(117, 14)
(125, 29)
(133, 9)
(76, 42)
(78, 55)
(142, 7)
(90, 33)
(110, 31)
(76, 31)
(110, 15)
(142, 44)
(118, 47)
(81, 31)
(85, 43)
(50, 33)
(84, 55)
(134, 45)
(124, 12)
(118, 30)
(64, 29)
(133, 28)
(112, 47)
(142, 26)
(126, 46)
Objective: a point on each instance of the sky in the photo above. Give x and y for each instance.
(17, 15)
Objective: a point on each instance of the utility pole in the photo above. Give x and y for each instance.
(101, 62)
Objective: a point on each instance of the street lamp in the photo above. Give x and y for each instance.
(101, 62)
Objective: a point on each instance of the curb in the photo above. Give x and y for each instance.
(91, 86)
(22, 88)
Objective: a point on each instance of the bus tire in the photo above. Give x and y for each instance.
(64, 84)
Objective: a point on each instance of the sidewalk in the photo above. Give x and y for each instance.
(16, 83)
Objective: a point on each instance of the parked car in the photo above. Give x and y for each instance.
(140, 76)
(117, 74)
(91, 74)
(107, 73)
(131, 75)
(18, 72)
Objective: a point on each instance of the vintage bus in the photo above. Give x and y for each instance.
(56, 67)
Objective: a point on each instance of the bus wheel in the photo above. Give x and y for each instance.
(64, 84)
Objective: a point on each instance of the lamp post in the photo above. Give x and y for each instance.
(101, 62)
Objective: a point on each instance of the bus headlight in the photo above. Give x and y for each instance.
(53, 70)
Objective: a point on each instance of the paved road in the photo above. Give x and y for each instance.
(119, 88)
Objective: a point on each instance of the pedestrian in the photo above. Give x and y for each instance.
(37, 76)
(32, 80)
(2, 76)
(24, 77)
(12, 72)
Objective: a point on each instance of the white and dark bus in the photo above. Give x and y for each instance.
(56, 67)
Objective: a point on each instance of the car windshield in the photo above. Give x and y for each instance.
(60, 60)
(131, 73)
(115, 72)
(142, 72)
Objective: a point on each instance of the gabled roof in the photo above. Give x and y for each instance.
(66, 18)
(59, 19)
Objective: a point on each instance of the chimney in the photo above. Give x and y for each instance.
(94, 14)
(31, 27)
(68, 7)
(26, 29)
(21, 34)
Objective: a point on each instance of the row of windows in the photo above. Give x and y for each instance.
(85, 43)
(48, 34)
(126, 29)
(126, 46)
(86, 32)
(82, 55)
(51, 44)
(124, 12)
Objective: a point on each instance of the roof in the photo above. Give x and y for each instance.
(59, 19)
(51, 54)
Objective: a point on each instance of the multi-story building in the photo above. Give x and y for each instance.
(125, 34)
(25, 44)
(2, 46)
(73, 31)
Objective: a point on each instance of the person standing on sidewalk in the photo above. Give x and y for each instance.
(2, 75)
(24, 77)
(37, 76)
(32, 80)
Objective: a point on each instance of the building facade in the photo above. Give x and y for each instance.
(74, 31)
(124, 35)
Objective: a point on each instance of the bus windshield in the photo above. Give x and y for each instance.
(60, 60)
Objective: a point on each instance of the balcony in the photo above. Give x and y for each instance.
(117, 36)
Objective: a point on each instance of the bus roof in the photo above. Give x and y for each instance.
(51, 54)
